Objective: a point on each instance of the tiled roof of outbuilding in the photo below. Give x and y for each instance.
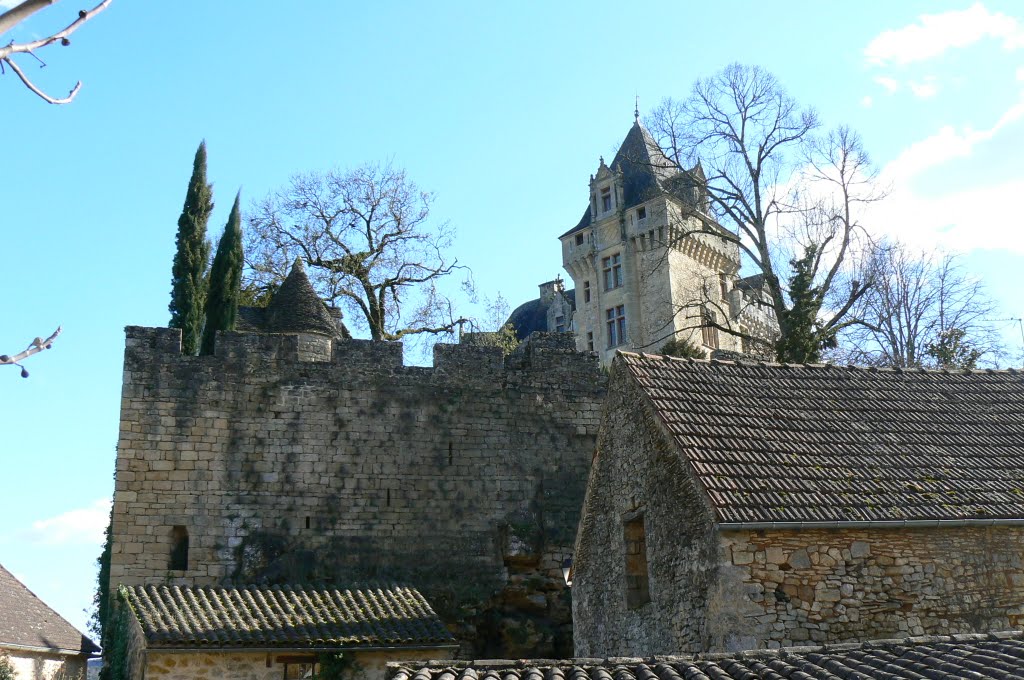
(997, 656)
(285, 617)
(27, 621)
(788, 443)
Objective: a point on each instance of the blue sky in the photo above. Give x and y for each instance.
(501, 110)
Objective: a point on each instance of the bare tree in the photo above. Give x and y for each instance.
(20, 13)
(784, 194)
(37, 345)
(366, 237)
(923, 310)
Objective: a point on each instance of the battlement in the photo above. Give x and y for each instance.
(553, 355)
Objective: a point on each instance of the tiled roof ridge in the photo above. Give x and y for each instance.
(821, 366)
(782, 652)
(86, 645)
(238, 615)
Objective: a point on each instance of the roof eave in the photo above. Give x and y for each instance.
(870, 524)
(297, 650)
(49, 650)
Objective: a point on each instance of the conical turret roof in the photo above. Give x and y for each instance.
(296, 308)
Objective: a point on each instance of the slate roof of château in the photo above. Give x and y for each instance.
(791, 443)
(290, 617)
(995, 656)
(646, 172)
(26, 621)
(532, 316)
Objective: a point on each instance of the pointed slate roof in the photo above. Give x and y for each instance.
(295, 308)
(286, 617)
(646, 173)
(26, 621)
(823, 444)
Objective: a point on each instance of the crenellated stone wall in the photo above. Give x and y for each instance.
(292, 458)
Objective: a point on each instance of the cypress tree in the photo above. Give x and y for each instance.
(188, 275)
(225, 281)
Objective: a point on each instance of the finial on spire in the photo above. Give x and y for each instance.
(636, 111)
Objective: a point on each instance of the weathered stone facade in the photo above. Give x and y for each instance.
(297, 458)
(818, 586)
(45, 666)
(657, 571)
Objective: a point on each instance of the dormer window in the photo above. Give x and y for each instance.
(606, 199)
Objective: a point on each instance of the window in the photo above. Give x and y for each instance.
(296, 667)
(179, 549)
(606, 199)
(559, 324)
(612, 267)
(579, 239)
(723, 284)
(590, 342)
(586, 291)
(641, 213)
(616, 319)
(708, 332)
(638, 591)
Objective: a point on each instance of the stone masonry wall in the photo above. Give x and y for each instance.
(638, 475)
(45, 666)
(826, 586)
(291, 459)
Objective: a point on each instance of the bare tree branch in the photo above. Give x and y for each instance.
(37, 345)
(19, 13)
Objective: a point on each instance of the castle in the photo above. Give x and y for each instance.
(649, 264)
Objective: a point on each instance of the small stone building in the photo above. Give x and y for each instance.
(39, 643)
(742, 505)
(263, 633)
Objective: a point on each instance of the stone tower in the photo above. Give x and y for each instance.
(650, 263)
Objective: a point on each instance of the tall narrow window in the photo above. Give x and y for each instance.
(638, 591)
(179, 549)
(586, 291)
(616, 320)
(559, 324)
(590, 342)
(709, 334)
(579, 239)
(611, 266)
(641, 213)
(723, 285)
(606, 199)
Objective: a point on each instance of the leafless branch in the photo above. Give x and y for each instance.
(37, 345)
(19, 13)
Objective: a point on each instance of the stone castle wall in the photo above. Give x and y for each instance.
(289, 458)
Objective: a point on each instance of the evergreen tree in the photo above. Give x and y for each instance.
(188, 275)
(805, 336)
(225, 281)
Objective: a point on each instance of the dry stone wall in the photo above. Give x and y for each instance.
(825, 586)
(291, 458)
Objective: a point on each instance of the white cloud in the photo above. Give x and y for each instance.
(890, 84)
(926, 89)
(933, 34)
(81, 525)
(867, 102)
(971, 218)
(1020, 73)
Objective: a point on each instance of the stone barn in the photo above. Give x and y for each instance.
(744, 505)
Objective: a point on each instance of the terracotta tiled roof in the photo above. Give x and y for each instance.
(786, 443)
(998, 656)
(285, 617)
(26, 621)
